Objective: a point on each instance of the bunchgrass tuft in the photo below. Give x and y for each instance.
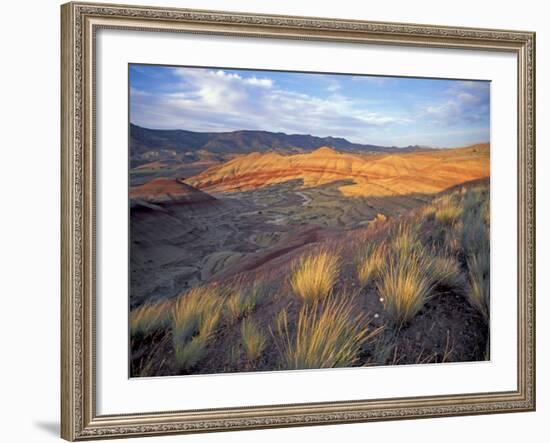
(476, 246)
(428, 213)
(197, 309)
(405, 285)
(327, 334)
(149, 318)
(478, 276)
(195, 316)
(235, 306)
(370, 263)
(475, 218)
(254, 342)
(243, 301)
(445, 271)
(486, 212)
(404, 241)
(475, 235)
(447, 211)
(314, 275)
(188, 354)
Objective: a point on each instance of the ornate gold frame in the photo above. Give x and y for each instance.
(80, 21)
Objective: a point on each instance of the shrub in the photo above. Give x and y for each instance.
(370, 263)
(314, 275)
(253, 340)
(327, 334)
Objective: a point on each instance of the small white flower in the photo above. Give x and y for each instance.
(381, 299)
(376, 315)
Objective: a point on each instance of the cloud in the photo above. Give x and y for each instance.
(377, 81)
(264, 82)
(466, 103)
(381, 111)
(333, 85)
(216, 100)
(467, 98)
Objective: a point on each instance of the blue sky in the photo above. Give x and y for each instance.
(391, 111)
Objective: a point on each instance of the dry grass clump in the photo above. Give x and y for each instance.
(149, 318)
(451, 240)
(475, 234)
(478, 276)
(254, 342)
(327, 334)
(370, 263)
(236, 306)
(472, 199)
(407, 279)
(195, 316)
(476, 244)
(445, 271)
(444, 224)
(411, 275)
(196, 310)
(448, 210)
(406, 284)
(486, 212)
(428, 213)
(448, 215)
(242, 301)
(189, 354)
(404, 241)
(314, 275)
(476, 247)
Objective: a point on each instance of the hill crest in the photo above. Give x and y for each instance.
(168, 190)
(362, 175)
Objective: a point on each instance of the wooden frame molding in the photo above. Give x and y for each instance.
(80, 21)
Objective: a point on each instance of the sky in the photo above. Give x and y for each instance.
(388, 111)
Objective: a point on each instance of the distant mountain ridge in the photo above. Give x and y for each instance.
(152, 144)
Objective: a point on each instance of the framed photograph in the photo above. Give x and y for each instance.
(282, 221)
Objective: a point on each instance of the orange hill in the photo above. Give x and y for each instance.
(427, 171)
